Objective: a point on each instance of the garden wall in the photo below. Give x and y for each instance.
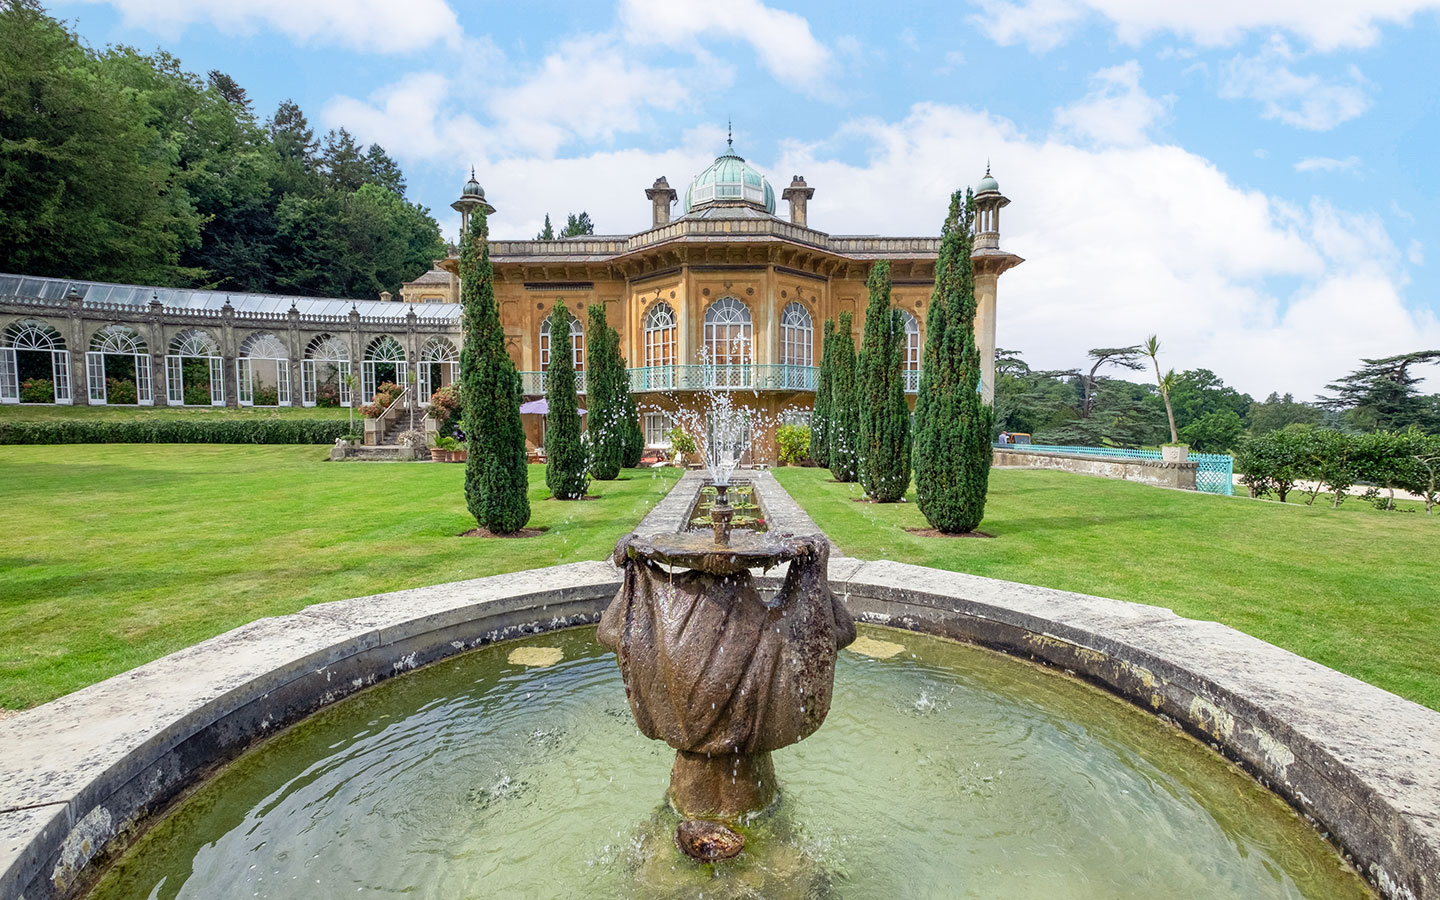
(1146, 471)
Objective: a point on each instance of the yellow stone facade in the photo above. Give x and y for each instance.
(730, 255)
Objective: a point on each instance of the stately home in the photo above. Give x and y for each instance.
(721, 293)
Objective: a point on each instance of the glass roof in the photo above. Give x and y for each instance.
(189, 298)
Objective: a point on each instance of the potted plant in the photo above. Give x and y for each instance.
(682, 443)
(445, 449)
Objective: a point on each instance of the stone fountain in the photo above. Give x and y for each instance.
(719, 673)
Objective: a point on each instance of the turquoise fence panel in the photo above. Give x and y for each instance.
(1215, 472)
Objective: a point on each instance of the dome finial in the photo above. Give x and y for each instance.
(730, 133)
(987, 166)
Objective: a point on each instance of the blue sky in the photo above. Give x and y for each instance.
(1253, 181)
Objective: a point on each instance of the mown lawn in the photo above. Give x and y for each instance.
(115, 555)
(1353, 588)
(25, 412)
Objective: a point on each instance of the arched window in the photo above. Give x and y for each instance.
(118, 358)
(577, 345)
(32, 353)
(797, 347)
(262, 371)
(194, 371)
(912, 351)
(384, 363)
(439, 364)
(325, 372)
(728, 343)
(660, 333)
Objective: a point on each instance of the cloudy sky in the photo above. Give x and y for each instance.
(1253, 180)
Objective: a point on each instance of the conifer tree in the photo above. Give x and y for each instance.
(566, 466)
(842, 430)
(884, 416)
(606, 405)
(633, 436)
(548, 232)
(496, 478)
(953, 424)
(820, 417)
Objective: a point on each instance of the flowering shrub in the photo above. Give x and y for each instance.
(384, 396)
(120, 392)
(37, 390)
(327, 395)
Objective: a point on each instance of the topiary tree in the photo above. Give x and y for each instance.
(843, 429)
(1272, 463)
(884, 414)
(566, 466)
(606, 405)
(953, 424)
(820, 416)
(496, 477)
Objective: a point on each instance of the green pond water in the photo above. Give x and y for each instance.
(943, 771)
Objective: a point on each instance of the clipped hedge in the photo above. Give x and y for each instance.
(162, 431)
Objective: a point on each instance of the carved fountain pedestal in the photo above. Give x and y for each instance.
(720, 674)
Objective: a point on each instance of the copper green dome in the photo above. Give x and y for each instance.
(472, 188)
(987, 184)
(730, 179)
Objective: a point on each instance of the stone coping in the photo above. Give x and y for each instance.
(81, 775)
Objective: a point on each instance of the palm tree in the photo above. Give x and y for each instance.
(1165, 382)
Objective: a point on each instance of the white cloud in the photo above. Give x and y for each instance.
(1327, 164)
(588, 90)
(1117, 111)
(372, 25)
(1321, 24)
(1304, 101)
(1416, 253)
(782, 40)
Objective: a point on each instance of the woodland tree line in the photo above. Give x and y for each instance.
(120, 166)
(1092, 406)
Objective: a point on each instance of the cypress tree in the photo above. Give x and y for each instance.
(820, 418)
(496, 478)
(565, 469)
(606, 406)
(633, 436)
(842, 430)
(953, 424)
(884, 415)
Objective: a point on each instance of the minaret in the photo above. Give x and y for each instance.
(990, 262)
(471, 196)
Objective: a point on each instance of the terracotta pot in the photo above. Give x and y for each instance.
(458, 455)
(438, 455)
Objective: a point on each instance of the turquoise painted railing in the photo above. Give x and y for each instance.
(700, 377)
(1215, 472)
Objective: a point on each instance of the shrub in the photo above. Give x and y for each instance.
(37, 390)
(121, 392)
(447, 443)
(266, 395)
(174, 431)
(680, 440)
(794, 441)
(1272, 463)
(327, 396)
(444, 407)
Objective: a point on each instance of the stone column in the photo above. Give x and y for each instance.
(159, 385)
(296, 355)
(77, 344)
(986, 282)
(228, 355)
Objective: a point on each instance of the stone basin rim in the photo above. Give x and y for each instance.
(82, 775)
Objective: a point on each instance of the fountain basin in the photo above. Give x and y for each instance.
(944, 771)
(80, 776)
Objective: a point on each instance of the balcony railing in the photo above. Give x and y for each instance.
(752, 377)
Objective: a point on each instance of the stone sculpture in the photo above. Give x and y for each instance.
(720, 674)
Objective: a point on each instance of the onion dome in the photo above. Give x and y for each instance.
(988, 184)
(472, 187)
